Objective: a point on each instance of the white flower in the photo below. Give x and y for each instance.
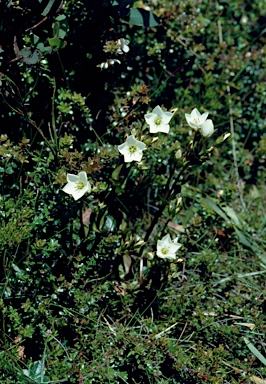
(199, 122)
(122, 46)
(158, 120)
(132, 149)
(112, 61)
(78, 185)
(166, 248)
(108, 62)
(207, 128)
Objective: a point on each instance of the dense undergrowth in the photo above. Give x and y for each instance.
(85, 295)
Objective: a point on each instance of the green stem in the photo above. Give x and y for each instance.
(168, 194)
(82, 230)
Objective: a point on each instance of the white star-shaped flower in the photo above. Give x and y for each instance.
(158, 120)
(132, 149)
(199, 121)
(123, 46)
(77, 185)
(166, 248)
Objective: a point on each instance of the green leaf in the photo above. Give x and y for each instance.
(143, 18)
(60, 18)
(127, 263)
(233, 216)
(35, 372)
(55, 42)
(35, 39)
(255, 351)
(42, 48)
(56, 27)
(116, 172)
(211, 204)
(242, 238)
(18, 271)
(48, 8)
(60, 27)
(29, 57)
(109, 224)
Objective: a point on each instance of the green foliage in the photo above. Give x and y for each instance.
(84, 295)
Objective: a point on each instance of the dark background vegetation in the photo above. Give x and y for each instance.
(66, 303)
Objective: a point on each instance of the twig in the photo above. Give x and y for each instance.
(36, 25)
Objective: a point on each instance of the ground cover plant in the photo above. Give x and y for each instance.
(132, 205)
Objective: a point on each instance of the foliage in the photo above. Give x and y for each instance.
(84, 296)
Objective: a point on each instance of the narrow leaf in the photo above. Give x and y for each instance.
(48, 8)
(143, 18)
(255, 352)
(116, 172)
(211, 204)
(233, 216)
(127, 263)
(242, 238)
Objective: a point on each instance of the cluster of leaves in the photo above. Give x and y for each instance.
(82, 296)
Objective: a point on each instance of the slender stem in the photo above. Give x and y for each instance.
(238, 181)
(63, 69)
(82, 230)
(172, 190)
(169, 193)
(40, 132)
(53, 116)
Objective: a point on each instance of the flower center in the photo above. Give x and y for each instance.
(158, 121)
(80, 184)
(164, 250)
(132, 149)
(196, 121)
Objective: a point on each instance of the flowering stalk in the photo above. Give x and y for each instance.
(168, 195)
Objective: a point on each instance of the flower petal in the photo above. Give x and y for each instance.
(207, 128)
(72, 178)
(149, 117)
(158, 111)
(121, 147)
(69, 188)
(203, 117)
(78, 193)
(159, 128)
(167, 116)
(83, 177)
(190, 121)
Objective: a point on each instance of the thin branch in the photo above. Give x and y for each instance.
(36, 25)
